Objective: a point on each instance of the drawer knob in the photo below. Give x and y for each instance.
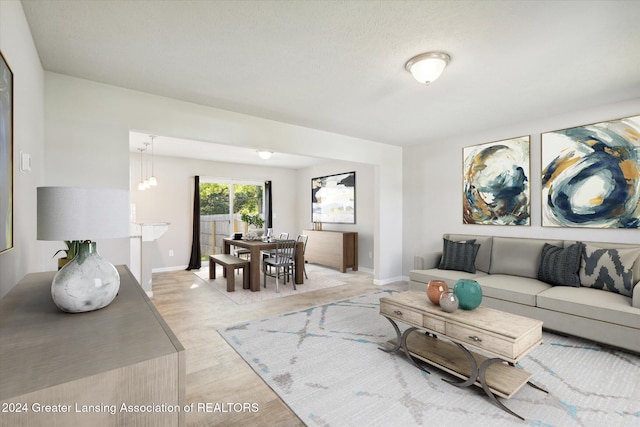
(475, 338)
(397, 313)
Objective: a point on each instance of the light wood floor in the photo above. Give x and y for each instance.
(215, 373)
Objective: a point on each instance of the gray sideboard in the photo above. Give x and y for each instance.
(120, 365)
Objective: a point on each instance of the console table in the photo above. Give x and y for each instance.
(61, 369)
(504, 337)
(337, 249)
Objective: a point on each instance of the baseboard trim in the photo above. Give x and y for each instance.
(165, 269)
(388, 281)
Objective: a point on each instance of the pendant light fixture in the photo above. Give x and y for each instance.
(427, 67)
(146, 175)
(141, 186)
(152, 179)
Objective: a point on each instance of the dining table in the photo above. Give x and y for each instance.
(256, 246)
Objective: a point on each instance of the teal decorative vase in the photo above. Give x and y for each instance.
(469, 294)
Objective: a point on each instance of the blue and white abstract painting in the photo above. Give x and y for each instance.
(591, 175)
(496, 183)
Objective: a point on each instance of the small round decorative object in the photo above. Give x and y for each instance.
(469, 293)
(448, 301)
(434, 289)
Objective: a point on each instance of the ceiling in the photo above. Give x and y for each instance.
(190, 149)
(338, 66)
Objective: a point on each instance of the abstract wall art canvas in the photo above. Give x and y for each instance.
(496, 183)
(333, 198)
(591, 175)
(6, 156)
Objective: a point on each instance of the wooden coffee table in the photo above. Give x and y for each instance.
(480, 346)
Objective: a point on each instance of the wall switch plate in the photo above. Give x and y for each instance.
(170, 252)
(25, 162)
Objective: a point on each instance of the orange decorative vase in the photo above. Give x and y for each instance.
(434, 289)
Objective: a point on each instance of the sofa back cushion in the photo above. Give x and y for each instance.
(518, 257)
(483, 257)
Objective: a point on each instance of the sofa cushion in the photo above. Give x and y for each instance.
(460, 256)
(608, 269)
(449, 276)
(518, 257)
(483, 259)
(591, 303)
(560, 266)
(521, 290)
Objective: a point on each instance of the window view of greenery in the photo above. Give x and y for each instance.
(214, 198)
(220, 213)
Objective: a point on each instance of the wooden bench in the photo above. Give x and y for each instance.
(229, 264)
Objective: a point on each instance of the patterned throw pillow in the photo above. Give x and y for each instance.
(460, 256)
(559, 266)
(608, 269)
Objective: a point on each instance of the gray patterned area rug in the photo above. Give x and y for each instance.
(325, 364)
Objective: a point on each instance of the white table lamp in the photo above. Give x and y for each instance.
(88, 282)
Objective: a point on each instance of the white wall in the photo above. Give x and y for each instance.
(365, 194)
(87, 140)
(433, 186)
(172, 200)
(19, 51)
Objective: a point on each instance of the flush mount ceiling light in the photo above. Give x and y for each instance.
(264, 154)
(427, 67)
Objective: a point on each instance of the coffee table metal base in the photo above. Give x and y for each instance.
(477, 374)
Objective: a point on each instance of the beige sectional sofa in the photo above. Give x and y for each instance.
(507, 270)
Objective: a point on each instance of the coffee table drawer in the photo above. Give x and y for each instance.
(434, 324)
(480, 340)
(402, 314)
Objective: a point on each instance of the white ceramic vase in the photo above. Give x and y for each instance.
(88, 282)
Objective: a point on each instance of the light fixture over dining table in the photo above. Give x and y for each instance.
(264, 154)
(148, 179)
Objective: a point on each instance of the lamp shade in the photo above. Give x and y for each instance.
(77, 213)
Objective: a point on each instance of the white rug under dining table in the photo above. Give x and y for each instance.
(319, 278)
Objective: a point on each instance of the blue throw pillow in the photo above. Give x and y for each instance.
(559, 266)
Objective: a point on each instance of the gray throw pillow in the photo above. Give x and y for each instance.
(608, 269)
(460, 256)
(559, 266)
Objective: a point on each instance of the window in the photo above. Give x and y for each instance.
(222, 203)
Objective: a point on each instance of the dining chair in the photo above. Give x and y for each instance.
(282, 262)
(271, 252)
(242, 253)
